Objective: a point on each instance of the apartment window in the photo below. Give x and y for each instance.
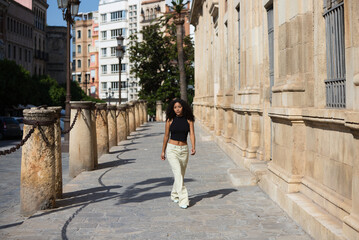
(20, 54)
(123, 85)
(116, 32)
(114, 68)
(113, 51)
(93, 59)
(104, 69)
(88, 48)
(79, 34)
(103, 52)
(93, 74)
(88, 62)
(271, 49)
(78, 63)
(118, 15)
(79, 78)
(335, 45)
(123, 67)
(104, 86)
(89, 33)
(130, 8)
(103, 35)
(114, 86)
(78, 48)
(25, 54)
(14, 53)
(103, 18)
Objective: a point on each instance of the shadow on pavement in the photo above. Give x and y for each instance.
(198, 197)
(135, 193)
(122, 151)
(115, 163)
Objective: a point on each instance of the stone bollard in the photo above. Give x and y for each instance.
(58, 157)
(82, 152)
(94, 136)
(158, 110)
(102, 129)
(131, 117)
(38, 164)
(140, 112)
(145, 109)
(112, 129)
(137, 114)
(128, 120)
(121, 123)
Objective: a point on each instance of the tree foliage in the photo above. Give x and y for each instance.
(154, 62)
(18, 87)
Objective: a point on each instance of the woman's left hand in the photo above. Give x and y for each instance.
(193, 151)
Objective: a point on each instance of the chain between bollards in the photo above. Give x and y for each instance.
(73, 123)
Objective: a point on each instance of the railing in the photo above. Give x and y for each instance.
(335, 93)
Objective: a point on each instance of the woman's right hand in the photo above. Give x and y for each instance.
(163, 156)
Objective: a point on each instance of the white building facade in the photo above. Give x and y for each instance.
(116, 17)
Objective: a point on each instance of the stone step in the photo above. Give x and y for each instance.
(241, 177)
(317, 222)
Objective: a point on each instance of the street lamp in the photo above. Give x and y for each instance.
(109, 93)
(69, 8)
(120, 52)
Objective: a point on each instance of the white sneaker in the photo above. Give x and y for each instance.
(175, 201)
(184, 206)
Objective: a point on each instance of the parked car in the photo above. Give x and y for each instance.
(20, 120)
(9, 128)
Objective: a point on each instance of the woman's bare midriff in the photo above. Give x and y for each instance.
(178, 143)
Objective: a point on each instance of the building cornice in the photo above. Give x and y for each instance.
(196, 11)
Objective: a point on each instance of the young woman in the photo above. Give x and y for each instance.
(179, 121)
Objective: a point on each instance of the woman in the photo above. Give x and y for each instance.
(179, 121)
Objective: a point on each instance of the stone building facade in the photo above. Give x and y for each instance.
(56, 43)
(277, 85)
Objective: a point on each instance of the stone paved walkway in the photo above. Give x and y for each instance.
(128, 198)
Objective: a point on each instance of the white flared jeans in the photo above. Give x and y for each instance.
(178, 158)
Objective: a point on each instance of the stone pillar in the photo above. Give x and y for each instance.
(112, 128)
(158, 110)
(351, 222)
(102, 129)
(140, 111)
(145, 111)
(137, 114)
(132, 117)
(121, 123)
(58, 157)
(81, 137)
(37, 187)
(94, 136)
(128, 109)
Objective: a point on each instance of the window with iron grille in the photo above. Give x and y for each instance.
(334, 26)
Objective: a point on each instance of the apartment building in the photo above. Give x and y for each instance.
(116, 18)
(94, 63)
(41, 56)
(81, 47)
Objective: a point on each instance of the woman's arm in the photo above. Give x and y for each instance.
(192, 137)
(165, 139)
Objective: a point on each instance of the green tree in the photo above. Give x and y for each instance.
(155, 61)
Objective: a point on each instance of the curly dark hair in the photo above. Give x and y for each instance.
(186, 110)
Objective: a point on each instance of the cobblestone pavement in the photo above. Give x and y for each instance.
(128, 197)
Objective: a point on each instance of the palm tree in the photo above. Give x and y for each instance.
(178, 6)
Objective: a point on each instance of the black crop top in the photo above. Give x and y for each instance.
(179, 129)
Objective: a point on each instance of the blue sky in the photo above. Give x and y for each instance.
(54, 14)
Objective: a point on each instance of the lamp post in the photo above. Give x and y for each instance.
(120, 52)
(109, 93)
(69, 8)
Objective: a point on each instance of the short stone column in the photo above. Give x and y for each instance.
(132, 121)
(102, 129)
(58, 156)
(142, 113)
(112, 128)
(137, 114)
(37, 187)
(158, 110)
(146, 113)
(128, 120)
(121, 123)
(81, 138)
